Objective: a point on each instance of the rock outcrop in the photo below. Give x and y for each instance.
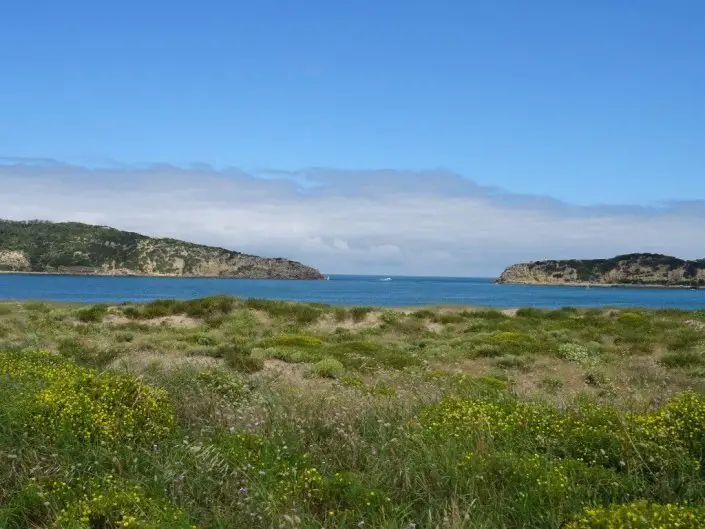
(75, 248)
(640, 269)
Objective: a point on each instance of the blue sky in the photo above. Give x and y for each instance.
(588, 102)
(434, 136)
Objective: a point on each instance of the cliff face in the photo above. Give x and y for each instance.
(631, 269)
(74, 248)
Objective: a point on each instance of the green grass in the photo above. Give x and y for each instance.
(272, 414)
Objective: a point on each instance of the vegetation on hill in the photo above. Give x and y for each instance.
(70, 247)
(632, 269)
(223, 412)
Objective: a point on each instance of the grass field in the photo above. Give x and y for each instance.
(228, 413)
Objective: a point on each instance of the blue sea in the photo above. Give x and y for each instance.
(344, 290)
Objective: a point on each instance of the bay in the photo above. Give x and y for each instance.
(343, 290)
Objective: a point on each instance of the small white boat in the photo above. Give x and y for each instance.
(386, 279)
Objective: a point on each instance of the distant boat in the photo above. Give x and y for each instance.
(386, 279)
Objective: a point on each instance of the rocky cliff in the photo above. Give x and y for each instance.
(74, 248)
(641, 269)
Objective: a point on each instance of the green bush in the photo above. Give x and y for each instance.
(328, 368)
(683, 359)
(490, 314)
(506, 342)
(106, 503)
(204, 340)
(680, 421)
(223, 383)
(301, 313)
(160, 308)
(425, 314)
(37, 306)
(240, 358)
(295, 340)
(530, 313)
(358, 314)
(640, 515)
(523, 363)
(656, 444)
(204, 308)
(124, 336)
(632, 319)
(209, 307)
(340, 314)
(63, 399)
(349, 494)
(450, 318)
(86, 354)
(94, 314)
(534, 490)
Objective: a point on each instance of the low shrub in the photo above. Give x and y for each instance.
(680, 421)
(632, 319)
(63, 399)
(425, 314)
(349, 495)
(94, 314)
(239, 356)
(522, 363)
(530, 312)
(124, 336)
(204, 308)
(352, 381)
(221, 382)
(86, 354)
(506, 342)
(534, 490)
(107, 503)
(292, 356)
(37, 306)
(328, 368)
(159, 308)
(450, 318)
(491, 314)
(340, 314)
(551, 384)
(209, 307)
(655, 443)
(358, 314)
(301, 313)
(640, 515)
(295, 340)
(203, 339)
(682, 359)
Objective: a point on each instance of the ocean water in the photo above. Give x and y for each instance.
(344, 290)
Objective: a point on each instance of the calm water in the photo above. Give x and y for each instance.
(343, 290)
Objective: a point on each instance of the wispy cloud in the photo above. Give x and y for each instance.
(389, 222)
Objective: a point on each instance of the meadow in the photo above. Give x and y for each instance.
(225, 413)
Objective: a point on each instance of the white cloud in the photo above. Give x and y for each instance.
(390, 222)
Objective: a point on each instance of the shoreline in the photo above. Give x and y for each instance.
(599, 285)
(159, 276)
